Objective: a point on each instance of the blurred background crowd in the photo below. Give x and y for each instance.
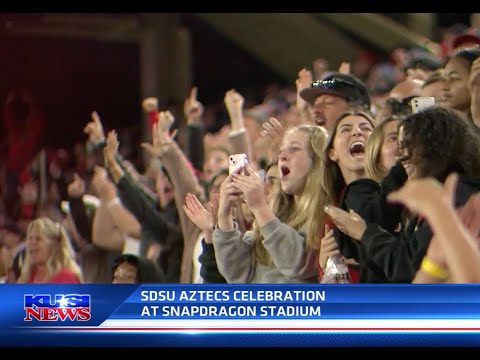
(116, 133)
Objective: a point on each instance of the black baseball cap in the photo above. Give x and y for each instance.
(424, 61)
(347, 86)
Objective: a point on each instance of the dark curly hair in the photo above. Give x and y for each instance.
(441, 141)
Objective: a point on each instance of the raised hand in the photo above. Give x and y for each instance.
(94, 129)
(165, 122)
(320, 67)
(272, 134)
(161, 136)
(234, 103)
(111, 149)
(273, 130)
(197, 213)
(344, 68)
(304, 80)
(229, 194)
(77, 187)
(150, 104)
(252, 187)
(192, 108)
(350, 223)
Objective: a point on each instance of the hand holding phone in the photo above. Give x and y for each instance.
(421, 103)
(237, 161)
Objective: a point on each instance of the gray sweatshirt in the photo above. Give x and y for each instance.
(293, 262)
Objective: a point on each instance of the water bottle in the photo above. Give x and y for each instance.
(336, 271)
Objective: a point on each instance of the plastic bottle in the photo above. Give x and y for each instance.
(336, 271)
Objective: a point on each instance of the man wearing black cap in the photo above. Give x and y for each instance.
(334, 95)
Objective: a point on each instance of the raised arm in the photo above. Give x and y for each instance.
(238, 136)
(183, 179)
(82, 222)
(193, 111)
(104, 232)
(303, 81)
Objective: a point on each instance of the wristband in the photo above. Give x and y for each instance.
(238, 132)
(434, 269)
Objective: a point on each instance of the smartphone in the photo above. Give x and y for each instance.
(421, 103)
(236, 161)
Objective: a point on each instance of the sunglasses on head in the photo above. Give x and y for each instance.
(333, 82)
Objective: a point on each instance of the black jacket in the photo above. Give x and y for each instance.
(399, 256)
(157, 225)
(209, 269)
(368, 199)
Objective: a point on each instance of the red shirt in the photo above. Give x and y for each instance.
(152, 118)
(64, 276)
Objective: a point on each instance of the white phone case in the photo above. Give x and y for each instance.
(235, 161)
(421, 103)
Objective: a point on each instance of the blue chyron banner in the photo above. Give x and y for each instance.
(240, 315)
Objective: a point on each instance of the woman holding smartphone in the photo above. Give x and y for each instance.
(282, 247)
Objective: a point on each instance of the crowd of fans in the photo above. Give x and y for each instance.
(344, 182)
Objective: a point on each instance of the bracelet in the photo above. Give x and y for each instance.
(238, 132)
(434, 269)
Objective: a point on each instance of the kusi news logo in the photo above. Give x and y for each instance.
(46, 307)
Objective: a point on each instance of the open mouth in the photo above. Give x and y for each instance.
(357, 149)
(284, 171)
(445, 98)
(319, 119)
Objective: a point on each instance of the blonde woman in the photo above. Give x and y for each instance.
(283, 245)
(49, 255)
(381, 149)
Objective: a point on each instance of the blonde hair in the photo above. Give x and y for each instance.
(373, 166)
(62, 257)
(308, 211)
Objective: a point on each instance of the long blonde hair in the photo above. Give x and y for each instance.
(308, 211)
(63, 255)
